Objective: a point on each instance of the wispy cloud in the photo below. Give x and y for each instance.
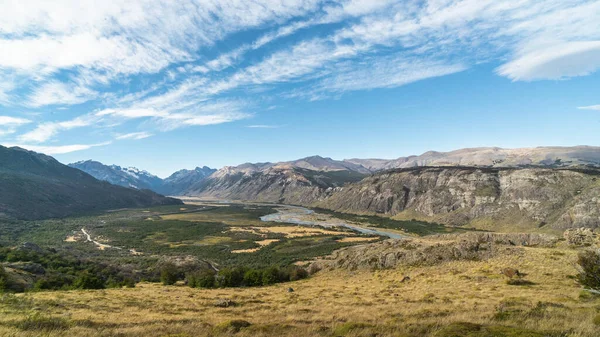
(161, 66)
(46, 131)
(13, 121)
(61, 149)
(591, 107)
(135, 135)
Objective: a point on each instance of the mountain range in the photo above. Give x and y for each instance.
(546, 186)
(36, 186)
(132, 177)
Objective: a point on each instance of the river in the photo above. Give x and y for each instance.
(302, 216)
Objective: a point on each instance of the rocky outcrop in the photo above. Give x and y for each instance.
(458, 195)
(432, 251)
(580, 236)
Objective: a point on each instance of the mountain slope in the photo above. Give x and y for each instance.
(282, 184)
(558, 198)
(139, 179)
(117, 175)
(492, 157)
(181, 180)
(36, 186)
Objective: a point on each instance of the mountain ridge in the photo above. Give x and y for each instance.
(37, 186)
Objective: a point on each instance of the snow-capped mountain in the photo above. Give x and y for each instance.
(139, 179)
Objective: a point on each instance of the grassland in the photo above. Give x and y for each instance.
(459, 298)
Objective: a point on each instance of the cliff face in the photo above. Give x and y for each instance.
(548, 197)
(276, 184)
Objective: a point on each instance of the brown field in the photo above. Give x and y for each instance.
(437, 301)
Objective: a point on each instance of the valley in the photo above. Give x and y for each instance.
(312, 247)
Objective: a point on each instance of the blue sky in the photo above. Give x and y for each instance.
(165, 85)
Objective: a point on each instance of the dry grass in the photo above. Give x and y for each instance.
(353, 303)
(288, 231)
(262, 243)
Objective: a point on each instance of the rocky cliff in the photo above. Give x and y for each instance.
(557, 198)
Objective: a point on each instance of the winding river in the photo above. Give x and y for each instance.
(302, 216)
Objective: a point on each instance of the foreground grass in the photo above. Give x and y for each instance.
(463, 298)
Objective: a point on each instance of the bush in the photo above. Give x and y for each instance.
(231, 277)
(168, 274)
(298, 273)
(201, 279)
(88, 281)
(271, 276)
(589, 269)
(253, 278)
(3, 280)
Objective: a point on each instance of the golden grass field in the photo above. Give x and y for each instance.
(437, 301)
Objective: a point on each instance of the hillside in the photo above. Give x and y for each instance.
(36, 186)
(535, 197)
(463, 295)
(280, 184)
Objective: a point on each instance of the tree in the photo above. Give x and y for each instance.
(589, 270)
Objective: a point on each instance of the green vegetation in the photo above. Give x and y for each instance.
(157, 235)
(589, 265)
(411, 226)
(244, 277)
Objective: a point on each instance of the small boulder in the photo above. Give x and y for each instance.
(405, 279)
(290, 290)
(224, 303)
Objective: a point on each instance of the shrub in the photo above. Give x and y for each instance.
(201, 279)
(231, 277)
(298, 273)
(168, 274)
(3, 280)
(253, 278)
(589, 269)
(88, 281)
(233, 326)
(270, 276)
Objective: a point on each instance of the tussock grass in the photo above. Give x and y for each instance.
(457, 298)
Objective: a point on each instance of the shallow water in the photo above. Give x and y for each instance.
(296, 215)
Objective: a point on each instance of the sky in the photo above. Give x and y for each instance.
(166, 85)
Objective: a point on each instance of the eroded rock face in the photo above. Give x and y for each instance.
(580, 236)
(559, 198)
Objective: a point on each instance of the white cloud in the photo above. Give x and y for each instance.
(13, 121)
(46, 131)
(135, 135)
(55, 92)
(560, 60)
(62, 149)
(591, 107)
